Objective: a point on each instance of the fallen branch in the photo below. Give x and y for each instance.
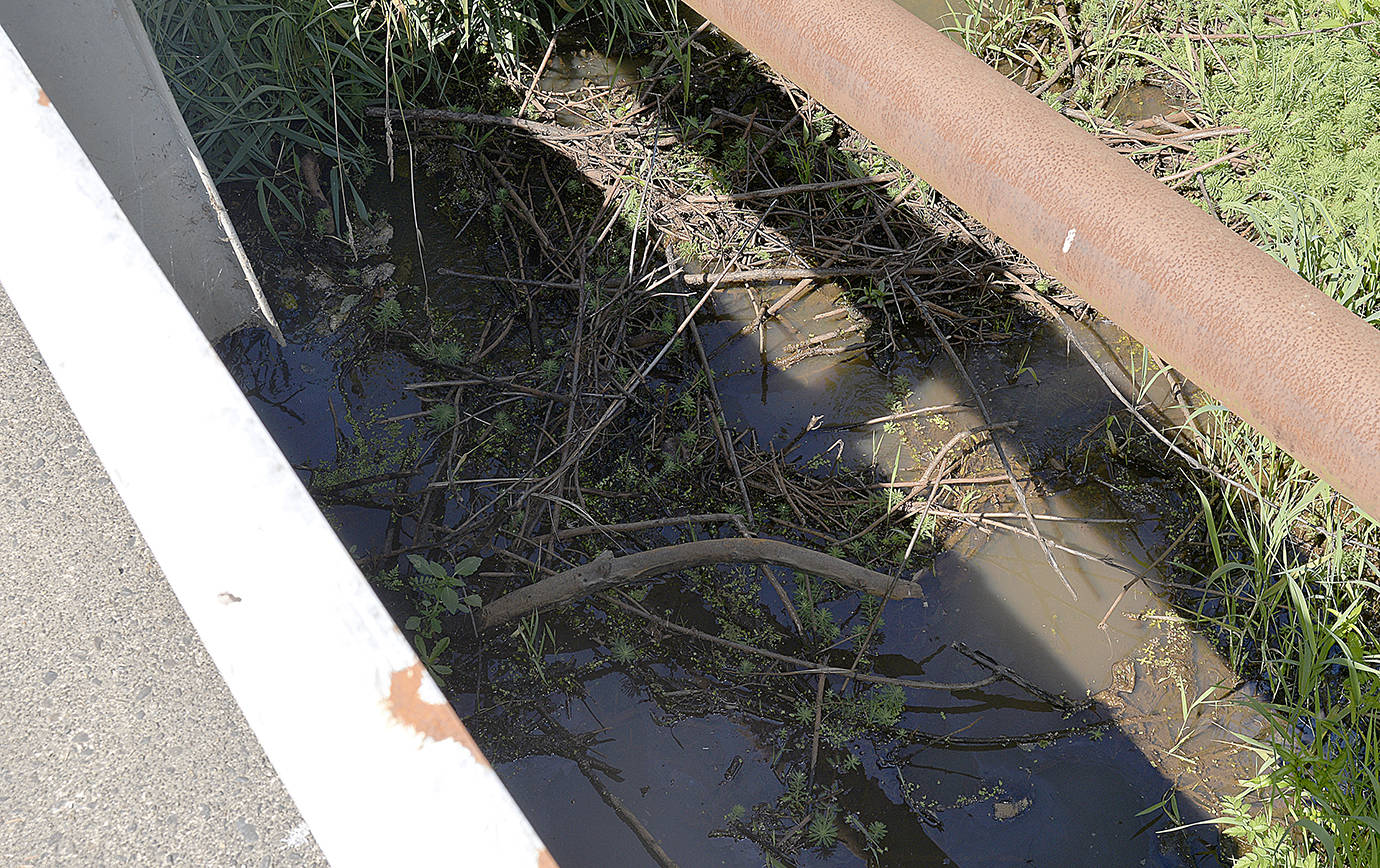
(607, 571)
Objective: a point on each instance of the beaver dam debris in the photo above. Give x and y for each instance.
(748, 499)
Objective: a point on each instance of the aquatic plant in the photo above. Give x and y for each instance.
(1294, 595)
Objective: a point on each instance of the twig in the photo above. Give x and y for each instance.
(1057, 700)
(924, 478)
(817, 186)
(953, 513)
(996, 443)
(971, 521)
(632, 526)
(897, 417)
(805, 667)
(517, 203)
(492, 381)
(948, 480)
(718, 409)
(1073, 338)
(1202, 167)
(536, 76)
(767, 275)
(804, 284)
(1183, 535)
(550, 131)
(726, 443)
(819, 719)
(361, 482)
(1058, 71)
(1002, 741)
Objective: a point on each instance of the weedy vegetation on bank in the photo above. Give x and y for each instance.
(268, 84)
(1292, 90)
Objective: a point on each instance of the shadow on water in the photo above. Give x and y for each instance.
(993, 775)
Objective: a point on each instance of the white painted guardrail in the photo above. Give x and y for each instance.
(96, 63)
(376, 761)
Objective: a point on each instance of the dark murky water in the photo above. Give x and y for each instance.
(1001, 796)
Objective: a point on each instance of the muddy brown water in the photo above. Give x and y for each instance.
(1078, 800)
(937, 13)
(998, 593)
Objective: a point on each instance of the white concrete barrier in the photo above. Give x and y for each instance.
(377, 762)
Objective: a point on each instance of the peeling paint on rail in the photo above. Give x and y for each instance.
(435, 720)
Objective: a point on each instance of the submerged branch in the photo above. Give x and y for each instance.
(607, 571)
(804, 667)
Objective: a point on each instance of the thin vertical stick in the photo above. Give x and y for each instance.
(996, 443)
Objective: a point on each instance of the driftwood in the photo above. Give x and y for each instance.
(607, 571)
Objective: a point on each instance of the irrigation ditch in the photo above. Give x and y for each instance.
(751, 502)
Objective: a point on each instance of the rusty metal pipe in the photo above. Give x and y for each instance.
(1266, 343)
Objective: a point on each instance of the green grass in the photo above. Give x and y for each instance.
(1311, 103)
(1292, 586)
(264, 83)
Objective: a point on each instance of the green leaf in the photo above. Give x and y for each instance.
(427, 568)
(473, 601)
(468, 566)
(412, 623)
(450, 599)
(1322, 835)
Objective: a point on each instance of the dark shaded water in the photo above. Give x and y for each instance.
(1066, 801)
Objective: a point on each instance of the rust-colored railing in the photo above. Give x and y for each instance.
(1267, 344)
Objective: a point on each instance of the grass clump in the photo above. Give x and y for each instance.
(1292, 586)
(1307, 92)
(263, 83)
(268, 84)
